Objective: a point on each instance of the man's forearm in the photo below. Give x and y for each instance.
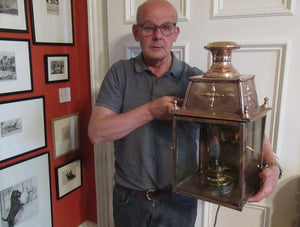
(105, 125)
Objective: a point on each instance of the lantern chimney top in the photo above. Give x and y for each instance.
(221, 60)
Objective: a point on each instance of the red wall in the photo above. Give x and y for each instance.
(80, 205)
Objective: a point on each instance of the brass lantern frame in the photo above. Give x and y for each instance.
(222, 106)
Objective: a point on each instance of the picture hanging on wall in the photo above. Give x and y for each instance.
(22, 127)
(13, 16)
(15, 66)
(25, 193)
(68, 178)
(52, 22)
(65, 134)
(56, 68)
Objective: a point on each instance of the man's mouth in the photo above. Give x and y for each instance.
(157, 47)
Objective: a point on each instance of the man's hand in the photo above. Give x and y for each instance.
(268, 178)
(161, 108)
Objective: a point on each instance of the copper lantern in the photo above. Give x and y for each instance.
(218, 134)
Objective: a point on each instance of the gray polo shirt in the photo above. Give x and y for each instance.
(144, 157)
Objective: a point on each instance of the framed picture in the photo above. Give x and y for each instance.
(68, 178)
(22, 127)
(15, 66)
(52, 22)
(13, 16)
(65, 134)
(25, 193)
(56, 68)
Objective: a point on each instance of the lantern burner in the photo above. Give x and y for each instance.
(216, 178)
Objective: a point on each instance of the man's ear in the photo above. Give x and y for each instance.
(135, 32)
(177, 31)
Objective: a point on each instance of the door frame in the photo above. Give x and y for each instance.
(103, 154)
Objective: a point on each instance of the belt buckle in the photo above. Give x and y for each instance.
(148, 194)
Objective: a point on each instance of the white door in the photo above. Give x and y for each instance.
(269, 35)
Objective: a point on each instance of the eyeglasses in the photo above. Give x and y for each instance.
(149, 29)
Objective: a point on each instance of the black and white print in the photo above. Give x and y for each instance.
(19, 202)
(11, 127)
(57, 67)
(9, 7)
(53, 7)
(7, 65)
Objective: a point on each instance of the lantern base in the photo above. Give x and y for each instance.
(218, 186)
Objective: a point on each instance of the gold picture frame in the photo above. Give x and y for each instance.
(65, 134)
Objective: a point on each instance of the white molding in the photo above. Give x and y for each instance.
(205, 213)
(97, 44)
(264, 214)
(130, 12)
(132, 50)
(286, 8)
(104, 158)
(184, 11)
(130, 7)
(280, 77)
(181, 50)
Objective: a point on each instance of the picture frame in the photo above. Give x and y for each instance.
(22, 127)
(65, 134)
(15, 66)
(68, 178)
(52, 22)
(13, 16)
(56, 68)
(26, 182)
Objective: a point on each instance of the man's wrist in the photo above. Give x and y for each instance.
(276, 164)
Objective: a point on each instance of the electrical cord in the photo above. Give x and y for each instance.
(216, 216)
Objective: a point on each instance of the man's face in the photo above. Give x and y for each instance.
(157, 46)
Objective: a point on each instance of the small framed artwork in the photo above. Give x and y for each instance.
(68, 178)
(25, 193)
(57, 16)
(15, 66)
(22, 127)
(56, 68)
(13, 16)
(65, 134)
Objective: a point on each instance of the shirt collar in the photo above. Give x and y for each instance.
(140, 65)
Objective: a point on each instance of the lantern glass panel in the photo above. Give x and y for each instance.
(217, 160)
(253, 155)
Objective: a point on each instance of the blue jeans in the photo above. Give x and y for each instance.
(131, 210)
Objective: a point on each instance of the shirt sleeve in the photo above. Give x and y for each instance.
(110, 94)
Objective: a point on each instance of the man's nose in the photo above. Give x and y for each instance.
(157, 33)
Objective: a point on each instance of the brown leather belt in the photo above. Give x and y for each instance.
(157, 194)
